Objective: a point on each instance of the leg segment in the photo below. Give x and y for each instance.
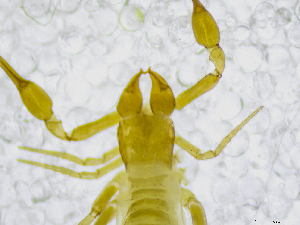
(39, 104)
(196, 152)
(197, 211)
(83, 162)
(100, 206)
(108, 214)
(207, 34)
(82, 175)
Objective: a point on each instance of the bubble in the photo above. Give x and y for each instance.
(7, 194)
(224, 192)
(36, 216)
(188, 73)
(67, 6)
(248, 57)
(105, 20)
(119, 73)
(23, 194)
(251, 188)
(278, 57)
(281, 169)
(7, 42)
(91, 5)
(263, 21)
(264, 11)
(40, 191)
(242, 32)
(159, 13)
(228, 98)
(181, 32)
(295, 155)
(59, 211)
(291, 187)
(294, 34)
(10, 131)
(38, 34)
(71, 40)
(16, 216)
(48, 60)
(189, 70)
(156, 41)
(297, 10)
(284, 16)
(277, 206)
(78, 90)
(263, 85)
(261, 157)
(114, 2)
(232, 168)
(24, 61)
(36, 8)
(132, 17)
(286, 89)
(104, 99)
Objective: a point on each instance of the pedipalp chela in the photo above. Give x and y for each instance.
(149, 190)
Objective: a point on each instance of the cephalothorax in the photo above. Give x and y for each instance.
(149, 192)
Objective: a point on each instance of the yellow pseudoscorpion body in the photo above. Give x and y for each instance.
(149, 191)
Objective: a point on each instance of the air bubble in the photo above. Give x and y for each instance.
(71, 40)
(156, 41)
(40, 191)
(159, 13)
(105, 20)
(278, 57)
(277, 206)
(78, 90)
(188, 72)
(292, 187)
(132, 17)
(297, 10)
(251, 188)
(261, 157)
(232, 168)
(36, 8)
(91, 5)
(59, 211)
(104, 99)
(295, 155)
(7, 194)
(263, 85)
(7, 42)
(119, 73)
(181, 32)
(114, 2)
(224, 192)
(10, 131)
(248, 57)
(284, 16)
(286, 89)
(242, 32)
(24, 61)
(67, 6)
(23, 193)
(263, 21)
(294, 34)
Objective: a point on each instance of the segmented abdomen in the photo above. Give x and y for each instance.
(153, 200)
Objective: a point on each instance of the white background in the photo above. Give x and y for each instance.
(83, 54)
